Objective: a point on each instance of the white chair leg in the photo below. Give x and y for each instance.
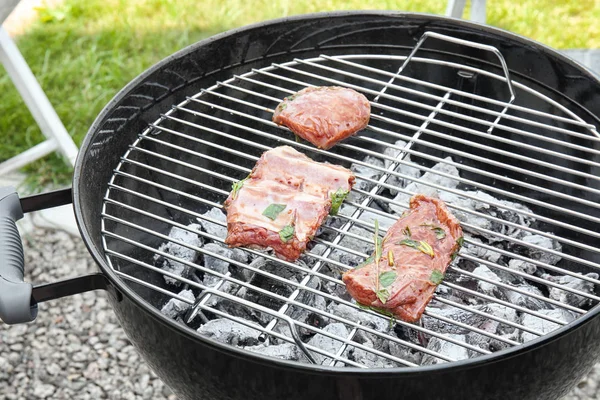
(36, 100)
(478, 11)
(456, 8)
(36, 152)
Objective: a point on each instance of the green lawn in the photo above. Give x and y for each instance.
(84, 51)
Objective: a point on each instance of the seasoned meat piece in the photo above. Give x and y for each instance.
(415, 253)
(283, 202)
(324, 115)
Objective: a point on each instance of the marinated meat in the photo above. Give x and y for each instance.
(283, 202)
(324, 115)
(414, 256)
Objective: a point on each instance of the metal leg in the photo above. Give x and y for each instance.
(39, 105)
(478, 11)
(456, 8)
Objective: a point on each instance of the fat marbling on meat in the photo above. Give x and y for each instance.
(324, 115)
(283, 202)
(414, 256)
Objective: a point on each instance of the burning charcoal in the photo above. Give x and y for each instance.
(522, 266)
(540, 255)
(369, 217)
(367, 358)
(500, 311)
(377, 322)
(215, 264)
(488, 343)
(327, 343)
(364, 171)
(448, 349)
(338, 290)
(307, 316)
(429, 177)
(573, 283)
(308, 257)
(175, 307)
(405, 353)
(474, 250)
(488, 288)
(465, 217)
(211, 228)
(230, 332)
(542, 325)
(455, 314)
(284, 351)
(239, 255)
(411, 172)
(179, 251)
(524, 300)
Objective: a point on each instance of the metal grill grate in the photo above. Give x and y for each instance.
(184, 164)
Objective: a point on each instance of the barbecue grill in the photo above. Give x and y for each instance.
(500, 127)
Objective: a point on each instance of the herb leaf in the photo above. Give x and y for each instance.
(382, 311)
(337, 199)
(236, 186)
(286, 233)
(460, 242)
(421, 245)
(273, 210)
(436, 277)
(383, 295)
(378, 243)
(387, 278)
(406, 231)
(367, 261)
(439, 231)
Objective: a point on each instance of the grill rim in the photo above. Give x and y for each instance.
(121, 285)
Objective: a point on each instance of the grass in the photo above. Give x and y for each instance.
(84, 51)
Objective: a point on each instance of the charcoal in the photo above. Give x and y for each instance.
(211, 228)
(378, 322)
(455, 314)
(180, 252)
(338, 290)
(215, 264)
(572, 282)
(369, 217)
(445, 348)
(367, 358)
(539, 255)
(489, 288)
(473, 220)
(284, 351)
(308, 259)
(429, 177)
(405, 353)
(226, 287)
(327, 343)
(230, 332)
(471, 247)
(412, 172)
(542, 325)
(364, 171)
(501, 311)
(488, 343)
(522, 266)
(307, 316)
(175, 307)
(522, 300)
(347, 210)
(239, 255)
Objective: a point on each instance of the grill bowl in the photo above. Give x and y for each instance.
(197, 367)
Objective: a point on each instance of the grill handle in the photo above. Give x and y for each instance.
(16, 304)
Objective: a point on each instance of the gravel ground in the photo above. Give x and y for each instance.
(76, 350)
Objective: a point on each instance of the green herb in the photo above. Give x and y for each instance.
(362, 264)
(406, 231)
(390, 258)
(236, 186)
(297, 138)
(439, 232)
(286, 233)
(378, 243)
(383, 295)
(337, 199)
(436, 277)
(387, 278)
(273, 210)
(421, 245)
(459, 244)
(382, 311)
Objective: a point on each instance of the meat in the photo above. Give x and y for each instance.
(324, 115)
(414, 256)
(283, 202)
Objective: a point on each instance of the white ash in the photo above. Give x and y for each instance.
(307, 316)
(230, 332)
(526, 301)
(308, 257)
(572, 282)
(284, 351)
(544, 326)
(327, 343)
(175, 307)
(369, 217)
(367, 358)
(215, 264)
(412, 172)
(471, 247)
(179, 251)
(430, 178)
(211, 228)
(445, 348)
(455, 314)
(405, 353)
(367, 172)
(376, 322)
(238, 255)
(489, 288)
(537, 254)
(522, 266)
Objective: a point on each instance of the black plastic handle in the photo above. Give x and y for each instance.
(15, 295)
